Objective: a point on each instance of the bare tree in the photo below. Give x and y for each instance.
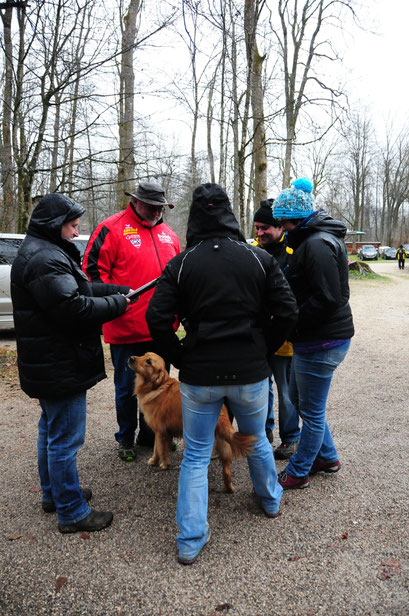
(7, 218)
(126, 164)
(395, 172)
(252, 10)
(358, 138)
(302, 47)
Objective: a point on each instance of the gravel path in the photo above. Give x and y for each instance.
(340, 548)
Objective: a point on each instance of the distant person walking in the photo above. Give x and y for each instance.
(318, 276)
(401, 256)
(58, 316)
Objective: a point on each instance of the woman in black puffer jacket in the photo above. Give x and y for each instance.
(318, 277)
(58, 316)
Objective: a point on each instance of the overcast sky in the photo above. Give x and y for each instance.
(378, 63)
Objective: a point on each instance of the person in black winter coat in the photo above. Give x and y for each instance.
(318, 276)
(272, 237)
(237, 309)
(58, 316)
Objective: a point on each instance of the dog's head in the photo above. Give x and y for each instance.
(150, 368)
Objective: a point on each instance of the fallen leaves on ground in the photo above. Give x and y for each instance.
(59, 582)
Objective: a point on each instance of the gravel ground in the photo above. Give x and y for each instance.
(340, 548)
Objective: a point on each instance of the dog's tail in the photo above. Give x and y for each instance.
(241, 444)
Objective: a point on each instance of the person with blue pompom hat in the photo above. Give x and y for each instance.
(318, 276)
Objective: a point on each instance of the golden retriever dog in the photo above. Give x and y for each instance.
(160, 401)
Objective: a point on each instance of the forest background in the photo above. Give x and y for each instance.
(97, 95)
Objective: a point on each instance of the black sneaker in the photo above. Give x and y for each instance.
(96, 520)
(127, 452)
(190, 561)
(286, 450)
(257, 498)
(50, 507)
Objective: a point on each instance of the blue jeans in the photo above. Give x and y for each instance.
(61, 433)
(313, 375)
(201, 407)
(289, 428)
(124, 379)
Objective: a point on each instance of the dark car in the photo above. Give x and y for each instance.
(389, 253)
(367, 251)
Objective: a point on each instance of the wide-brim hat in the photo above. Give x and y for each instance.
(151, 194)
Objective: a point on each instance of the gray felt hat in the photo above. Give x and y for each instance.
(151, 194)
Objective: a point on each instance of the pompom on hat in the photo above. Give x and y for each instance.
(295, 202)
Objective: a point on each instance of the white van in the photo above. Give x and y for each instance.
(9, 245)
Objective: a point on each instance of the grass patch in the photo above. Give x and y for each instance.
(353, 275)
(8, 365)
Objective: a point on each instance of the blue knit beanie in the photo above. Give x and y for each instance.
(295, 202)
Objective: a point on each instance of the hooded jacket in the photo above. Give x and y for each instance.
(282, 254)
(124, 249)
(57, 312)
(318, 276)
(225, 292)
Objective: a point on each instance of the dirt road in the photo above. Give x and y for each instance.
(340, 548)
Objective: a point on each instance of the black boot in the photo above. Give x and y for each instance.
(50, 507)
(96, 520)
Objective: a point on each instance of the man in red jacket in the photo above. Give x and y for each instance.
(132, 246)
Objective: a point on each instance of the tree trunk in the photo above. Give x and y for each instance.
(255, 67)
(7, 218)
(126, 165)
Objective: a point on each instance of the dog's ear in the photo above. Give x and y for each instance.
(158, 379)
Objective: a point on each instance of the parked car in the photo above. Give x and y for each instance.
(9, 245)
(381, 249)
(389, 253)
(406, 247)
(367, 251)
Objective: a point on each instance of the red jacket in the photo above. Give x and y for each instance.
(125, 250)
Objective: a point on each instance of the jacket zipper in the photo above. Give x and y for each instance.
(156, 250)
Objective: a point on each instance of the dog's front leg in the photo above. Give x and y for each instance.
(163, 450)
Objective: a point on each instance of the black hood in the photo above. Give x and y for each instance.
(211, 215)
(318, 221)
(50, 214)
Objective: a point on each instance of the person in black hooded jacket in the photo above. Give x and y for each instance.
(237, 309)
(318, 276)
(58, 316)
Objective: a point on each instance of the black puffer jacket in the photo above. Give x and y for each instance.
(318, 276)
(57, 313)
(227, 291)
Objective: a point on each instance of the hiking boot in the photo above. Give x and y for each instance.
(257, 498)
(286, 450)
(325, 467)
(127, 452)
(190, 561)
(96, 520)
(288, 482)
(50, 507)
(270, 436)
